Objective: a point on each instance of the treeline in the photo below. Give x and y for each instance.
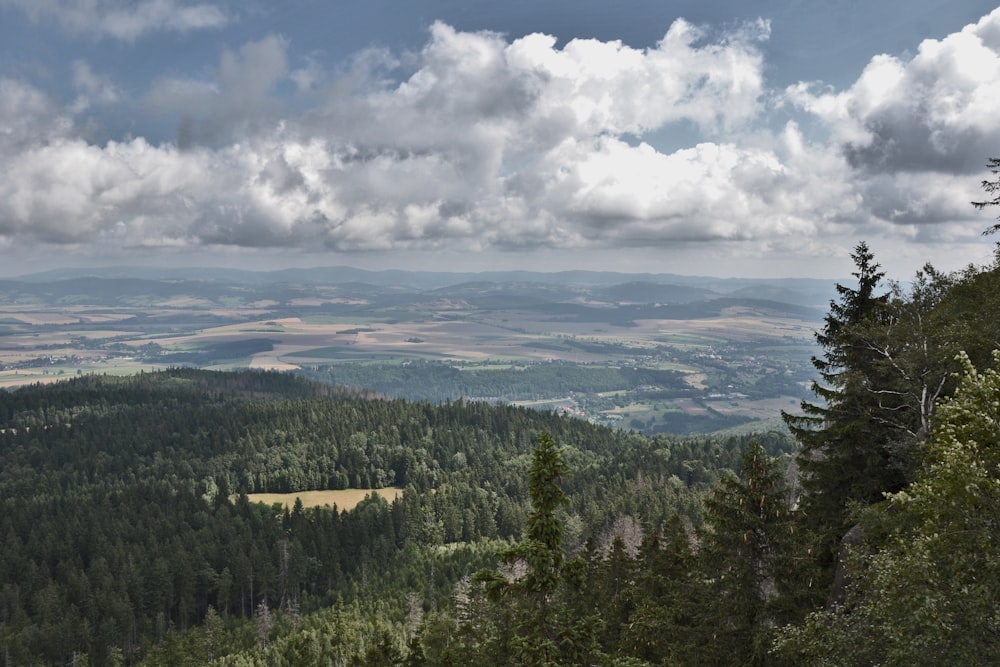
(421, 380)
(126, 526)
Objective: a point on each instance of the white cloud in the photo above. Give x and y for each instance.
(918, 132)
(933, 112)
(609, 87)
(28, 117)
(485, 143)
(123, 19)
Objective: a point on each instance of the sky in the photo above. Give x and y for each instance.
(728, 138)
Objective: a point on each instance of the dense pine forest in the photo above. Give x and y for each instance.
(128, 533)
(865, 535)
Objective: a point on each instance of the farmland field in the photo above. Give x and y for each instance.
(343, 499)
(720, 360)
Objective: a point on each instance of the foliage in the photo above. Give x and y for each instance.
(531, 596)
(991, 188)
(925, 592)
(965, 320)
(749, 561)
(124, 525)
(845, 456)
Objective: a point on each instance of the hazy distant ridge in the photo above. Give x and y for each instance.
(647, 288)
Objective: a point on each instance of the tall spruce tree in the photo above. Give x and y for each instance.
(844, 445)
(537, 593)
(748, 559)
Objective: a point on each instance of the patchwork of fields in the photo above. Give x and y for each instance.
(740, 358)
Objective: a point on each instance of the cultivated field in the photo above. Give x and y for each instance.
(44, 346)
(342, 499)
(721, 346)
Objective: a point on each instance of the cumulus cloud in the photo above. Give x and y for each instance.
(932, 112)
(609, 87)
(484, 143)
(123, 19)
(479, 142)
(916, 130)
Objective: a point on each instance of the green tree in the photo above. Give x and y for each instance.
(746, 558)
(926, 584)
(539, 582)
(911, 363)
(843, 457)
(992, 188)
(911, 349)
(663, 628)
(541, 557)
(965, 319)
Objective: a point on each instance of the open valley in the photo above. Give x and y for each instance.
(720, 359)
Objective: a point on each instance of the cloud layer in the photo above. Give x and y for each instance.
(123, 19)
(478, 142)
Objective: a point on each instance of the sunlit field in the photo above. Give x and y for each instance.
(342, 499)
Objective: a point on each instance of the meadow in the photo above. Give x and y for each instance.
(342, 499)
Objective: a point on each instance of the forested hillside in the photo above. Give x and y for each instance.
(521, 537)
(126, 522)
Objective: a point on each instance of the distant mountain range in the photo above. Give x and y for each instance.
(497, 286)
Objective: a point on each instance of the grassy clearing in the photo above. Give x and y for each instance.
(344, 499)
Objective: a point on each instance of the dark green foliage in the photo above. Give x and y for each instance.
(966, 318)
(532, 595)
(542, 546)
(635, 596)
(120, 527)
(926, 578)
(845, 456)
(888, 359)
(749, 561)
(663, 626)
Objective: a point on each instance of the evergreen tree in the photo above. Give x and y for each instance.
(540, 583)
(663, 628)
(927, 581)
(746, 560)
(843, 457)
(992, 188)
(912, 362)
